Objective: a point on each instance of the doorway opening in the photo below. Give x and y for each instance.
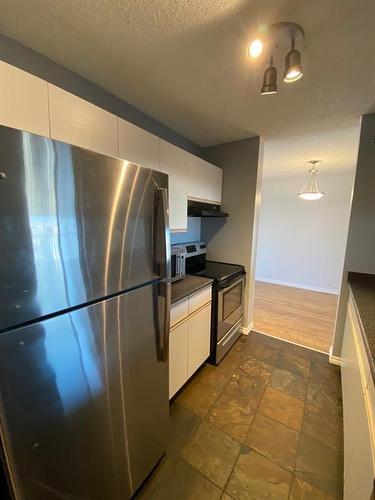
(301, 243)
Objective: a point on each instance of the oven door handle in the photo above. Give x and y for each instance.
(234, 282)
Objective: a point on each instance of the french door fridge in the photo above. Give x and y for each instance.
(84, 320)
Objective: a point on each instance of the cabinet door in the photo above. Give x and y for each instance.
(214, 182)
(358, 463)
(78, 122)
(138, 146)
(197, 181)
(23, 100)
(174, 162)
(205, 181)
(178, 348)
(199, 338)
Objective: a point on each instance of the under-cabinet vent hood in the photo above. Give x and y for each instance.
(198, 209)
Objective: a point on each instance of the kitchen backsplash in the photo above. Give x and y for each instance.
(193, 232)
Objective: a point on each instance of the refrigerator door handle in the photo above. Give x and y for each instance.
(165, 237)
(165, 285)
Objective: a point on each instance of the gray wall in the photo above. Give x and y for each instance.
(360, 254)
(231, 239)
(360, 248)
(20, 56)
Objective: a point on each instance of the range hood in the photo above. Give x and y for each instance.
(198, 209)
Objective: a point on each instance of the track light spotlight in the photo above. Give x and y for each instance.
(293, 66)
(269, 80)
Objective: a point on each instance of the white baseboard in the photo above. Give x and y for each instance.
(298, 285)
(289, 341)
(334, 360)
(245, 330)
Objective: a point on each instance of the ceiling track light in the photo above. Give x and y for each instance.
(279, 37)
(269, 80)
(310, 190)
(293, 66)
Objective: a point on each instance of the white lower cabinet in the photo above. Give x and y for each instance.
(358, 408)
(189, 340)
(198, 339)
(178, 347)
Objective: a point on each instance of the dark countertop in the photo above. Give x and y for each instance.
(363, 290)
(187, 286)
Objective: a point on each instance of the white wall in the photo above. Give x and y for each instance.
(302, 243)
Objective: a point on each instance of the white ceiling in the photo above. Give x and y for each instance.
(289, 156)
(184, 63)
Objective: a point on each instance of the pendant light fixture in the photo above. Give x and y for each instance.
(270, 80)
(293, 66)
(310, 190)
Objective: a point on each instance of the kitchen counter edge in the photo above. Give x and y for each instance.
(362, 287)
(187, 286)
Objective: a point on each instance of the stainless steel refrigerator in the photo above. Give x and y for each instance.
(84, 320)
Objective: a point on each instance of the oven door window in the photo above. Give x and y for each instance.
(232, 300)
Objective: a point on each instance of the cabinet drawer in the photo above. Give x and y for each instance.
(200, 299)
(179, 312)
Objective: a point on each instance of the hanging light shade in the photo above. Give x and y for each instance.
(269, 80)
(293, 65)
(310, 190)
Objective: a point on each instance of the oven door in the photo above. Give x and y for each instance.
(230, 304)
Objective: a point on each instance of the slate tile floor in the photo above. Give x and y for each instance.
(265, 424)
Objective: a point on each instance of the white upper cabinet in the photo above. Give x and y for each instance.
(78, 122)
(31, 104)
(214, 177)
(138, 146)
(23, 100)
(174, 162)
(205, 181)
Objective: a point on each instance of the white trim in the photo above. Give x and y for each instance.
(334, 360)
(245, 330)
(290, 342)
(297, 285)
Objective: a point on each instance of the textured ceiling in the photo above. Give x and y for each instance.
(183, 61)
(289, 156)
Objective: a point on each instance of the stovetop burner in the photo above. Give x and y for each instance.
(219, 271)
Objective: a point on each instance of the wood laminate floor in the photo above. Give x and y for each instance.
(296, 315)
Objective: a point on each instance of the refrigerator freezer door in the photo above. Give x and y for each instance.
(75, 226)
(84, 401)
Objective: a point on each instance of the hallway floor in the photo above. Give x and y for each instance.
(296, 315)
(265, 424)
